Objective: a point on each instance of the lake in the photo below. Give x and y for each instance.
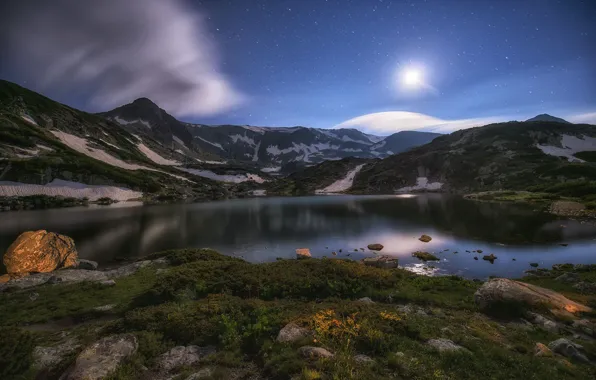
(263, 229)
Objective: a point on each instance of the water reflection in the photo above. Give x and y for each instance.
(265, 228)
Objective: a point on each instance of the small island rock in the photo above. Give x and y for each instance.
(375, 247)
(425, 238)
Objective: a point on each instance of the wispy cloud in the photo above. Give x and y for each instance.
(119, 51)
(395, 121)
(584, 118)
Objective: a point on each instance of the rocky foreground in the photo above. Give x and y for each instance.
(197, 314)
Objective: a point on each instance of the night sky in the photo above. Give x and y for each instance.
(321, 63)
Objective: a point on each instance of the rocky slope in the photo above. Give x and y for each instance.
(194, 314)
(268, 147)
(514, 155)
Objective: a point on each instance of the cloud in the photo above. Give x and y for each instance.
(395, 121)
(584, 118)
(119, 51)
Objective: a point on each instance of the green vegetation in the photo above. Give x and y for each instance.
(205, 298)
(39, 202)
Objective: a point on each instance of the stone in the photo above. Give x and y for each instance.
(444, 345)
(303, 253)
(40, 252)
(183, 356)
(48, 357)
(375, 247)
(585, 326)
(568, 277)
(585, 287)
(363, 359)
(425, 238)
(475, 257)
(425, 256)
(102, 358)
(105, 307)
(563, 267)
(314, 352)
(490, 257)
(107, 283)
(499, 290)
(366, 300)
(543, 322)
(292, 332)
(569, 349)
(33, 296)
(26, 282)
(127, 270)
(86, 264)
(534, 265)
(380, 261)
(5, 278)
(77, 275)
(542, 350)
(202, 374)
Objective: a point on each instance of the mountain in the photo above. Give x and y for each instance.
(547, 117)
(513, 155)
(268, 147)
(50, 148)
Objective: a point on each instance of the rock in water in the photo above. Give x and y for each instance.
(40, 251)
(490, 257)
(425, 238)
(303, 252)
(102, 358)
(292, 332)
(499, 290)
(375, 247)
(380, 261)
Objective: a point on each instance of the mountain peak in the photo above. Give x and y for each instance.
(547, 117)
(145, 102)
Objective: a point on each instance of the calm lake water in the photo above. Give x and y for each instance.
(263, 229)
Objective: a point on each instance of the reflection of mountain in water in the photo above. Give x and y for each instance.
(103, 234)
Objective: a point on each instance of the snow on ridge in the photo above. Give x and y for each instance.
(217, 145)
(379, 145)
(110, 144)
(153, 156)
(274, 169)
(255, 157)
(121, 121)
(248, 140)
(571, 145)
(260, 130)
(306, 150)
(179, 141)
(351, 150)
(29, 119)
(45, 147)
(421, 184)
(234, 178)
(342, 184)
(68, 189)
(345, 138)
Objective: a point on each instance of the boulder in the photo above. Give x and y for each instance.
(542, 350)
(375, 247)
(425, 256)
(40, 252)
(127, 270)
(303, 253)
(584, 326)
(444, 345)
(86, 264)
(183, 356)
(366, 300)
(544, 322)
(314, 352)
(568, 277)
(102, 358)
(107, 307)
(563, 267)
(202, 374)
(534, 265)
(292, 332)
(380, 261)
(490, 257)
(107, 283)
(48, 357)
(363, 359)
(499, 290)
(425, 238)
(585, 287)
(569, 349)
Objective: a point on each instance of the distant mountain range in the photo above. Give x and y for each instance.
(265, 146)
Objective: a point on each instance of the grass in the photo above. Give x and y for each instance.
(205, 298)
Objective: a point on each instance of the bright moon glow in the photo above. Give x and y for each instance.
(411, 78)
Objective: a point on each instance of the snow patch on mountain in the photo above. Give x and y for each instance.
(121, 121)
(342, 184)
(179, 141)
(62, 188)
(421, 184)
(274, 169)
(571, 145)
(255, 157)
(233, 178)
(306, 150)
(345, 138)
(260, 130)
(110, 144)
(217, 145)
(45, 147)
(248, 140)
(81, 145)
(29, 119)
(156, 157)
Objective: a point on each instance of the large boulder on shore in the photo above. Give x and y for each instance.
(503, 290)
(40, 251)
(102, 358)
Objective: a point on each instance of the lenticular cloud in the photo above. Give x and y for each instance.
(118, 51)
